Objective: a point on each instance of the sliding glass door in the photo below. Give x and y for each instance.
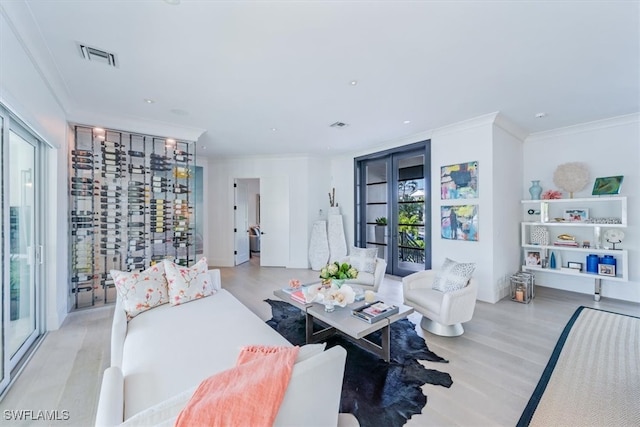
(21, 252)
(392, 196)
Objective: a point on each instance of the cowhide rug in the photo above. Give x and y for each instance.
(376, 392)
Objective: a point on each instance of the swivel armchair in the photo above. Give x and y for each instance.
(443, 313)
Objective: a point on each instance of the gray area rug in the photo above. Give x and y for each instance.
(593, 375)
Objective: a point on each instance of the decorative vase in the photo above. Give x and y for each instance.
(552, 260)
(337, 239)
(535, 190)
(319, 246)
(338, 282)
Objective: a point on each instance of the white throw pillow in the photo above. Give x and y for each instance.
(363, 259)
(141, 291)
(188, 283)
(453, 275)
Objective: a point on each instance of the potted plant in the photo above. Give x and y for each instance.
(380, 230)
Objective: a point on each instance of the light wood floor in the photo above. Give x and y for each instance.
(495, 365)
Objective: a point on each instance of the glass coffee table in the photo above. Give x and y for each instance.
(341, 320)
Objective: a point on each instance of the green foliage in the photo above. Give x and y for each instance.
(381, 220)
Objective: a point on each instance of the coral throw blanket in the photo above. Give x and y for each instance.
(249, 394)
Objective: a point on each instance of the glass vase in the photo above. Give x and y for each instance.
(329, 305)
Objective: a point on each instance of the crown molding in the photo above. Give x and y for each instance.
(585, 127)
(137, 125)
(484, 120)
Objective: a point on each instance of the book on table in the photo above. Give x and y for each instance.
(374, 311)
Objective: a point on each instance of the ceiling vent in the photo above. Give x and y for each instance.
(98, 55)
(338, 125)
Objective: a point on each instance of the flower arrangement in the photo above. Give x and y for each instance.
(551, 194)
(337, 271)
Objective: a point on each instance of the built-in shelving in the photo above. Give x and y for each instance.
(601, 213)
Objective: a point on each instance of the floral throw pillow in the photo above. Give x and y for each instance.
(188, 283)
(141, 291)
(453, 275)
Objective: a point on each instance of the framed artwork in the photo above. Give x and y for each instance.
(607, 185)
(459, 222)
(606, 269)
(575, 265)
(459, 181)
(576, 215)
(533, 258)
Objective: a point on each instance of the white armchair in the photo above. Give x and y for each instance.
(369, 280)
(442, 313)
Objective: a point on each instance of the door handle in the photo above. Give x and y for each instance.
(262, 232)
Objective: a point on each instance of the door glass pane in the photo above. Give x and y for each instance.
(22, 316)
(377, 209)
(411, 210)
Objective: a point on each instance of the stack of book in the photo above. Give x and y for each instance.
(375, 311)
(297, 294)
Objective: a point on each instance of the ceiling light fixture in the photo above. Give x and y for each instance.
(273, 129)
(149, 101)
(353, 82)
(406, 122)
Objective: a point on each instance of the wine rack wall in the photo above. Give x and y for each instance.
(131, 206)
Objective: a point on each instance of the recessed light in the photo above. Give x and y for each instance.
(541, 115)
(149, 101)
(406, 122)
(273, 129)
(353, 82)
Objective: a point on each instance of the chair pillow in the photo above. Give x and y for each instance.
(363, 259)
(188, 283)
(141, 291)
(453, 275)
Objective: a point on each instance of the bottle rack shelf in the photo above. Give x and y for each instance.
(131, 206)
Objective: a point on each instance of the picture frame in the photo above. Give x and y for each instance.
(533, 258)
(459, 222)
(459, 181)
(575, 265)
(576, 215)
(606, 270)
(607, 185)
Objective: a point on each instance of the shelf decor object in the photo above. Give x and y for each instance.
(607, 185)
(535, 190)
(571, 177)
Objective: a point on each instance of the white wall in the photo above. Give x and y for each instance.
(26, 94)
(303, 176)
(608, 147)
(496, 253)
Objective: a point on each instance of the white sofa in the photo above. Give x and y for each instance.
(167, 351)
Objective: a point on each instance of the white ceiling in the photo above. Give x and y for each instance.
(235, 70)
